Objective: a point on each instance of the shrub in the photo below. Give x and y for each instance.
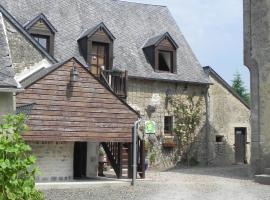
(17, 170)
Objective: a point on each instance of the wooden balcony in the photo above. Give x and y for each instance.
(116, 80)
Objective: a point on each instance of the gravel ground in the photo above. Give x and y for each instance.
(231, 183)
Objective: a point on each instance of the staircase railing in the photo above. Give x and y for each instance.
(116, 80)
(114, 154)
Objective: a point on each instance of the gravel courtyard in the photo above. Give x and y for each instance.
(188, 184)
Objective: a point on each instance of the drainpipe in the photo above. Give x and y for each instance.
(208, 129)
(134, 141)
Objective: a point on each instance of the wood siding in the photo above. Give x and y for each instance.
(167, 44)
(87, 112)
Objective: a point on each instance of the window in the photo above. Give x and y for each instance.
(99, 56)
(165, 61)
(168, 125)
(42, 31)
(160, 52)
(44, 41)
(219, 138)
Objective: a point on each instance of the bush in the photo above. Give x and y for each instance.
(17, 170)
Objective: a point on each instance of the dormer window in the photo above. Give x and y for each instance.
(160, 52)
(43, 32)
(96, 46)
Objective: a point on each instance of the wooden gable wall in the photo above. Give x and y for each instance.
(89, 113)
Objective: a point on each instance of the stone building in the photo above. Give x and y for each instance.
(228, 131)
(136, 51)
(256, 58)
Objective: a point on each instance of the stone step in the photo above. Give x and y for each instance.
(263, 179)
(267, 171)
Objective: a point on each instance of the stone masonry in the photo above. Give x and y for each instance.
(257, 59)
(142, 93)
(23, 54)
(226, 112)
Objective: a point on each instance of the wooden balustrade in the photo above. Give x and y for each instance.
(116, 80)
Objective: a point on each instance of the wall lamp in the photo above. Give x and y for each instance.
(74, 75)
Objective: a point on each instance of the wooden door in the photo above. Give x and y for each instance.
(99, 57)
(79, 162)
(240, 145)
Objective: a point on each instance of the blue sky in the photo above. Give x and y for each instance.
(214, 30)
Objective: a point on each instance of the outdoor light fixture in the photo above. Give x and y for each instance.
(74, 74)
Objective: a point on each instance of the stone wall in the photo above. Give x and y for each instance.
(226, 113)
(6, 103)
(54, 159)
(142, 93)
(92, 159)
(23, 54)
(257, 59)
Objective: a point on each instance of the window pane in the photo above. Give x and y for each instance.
(101, 61)
(165, 60)
(101, 50)
(43, 42)
(94, 60)
(168, 124)
(94, 49)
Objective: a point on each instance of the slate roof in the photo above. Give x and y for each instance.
(6, 71)
(210, 71)
(132, 24)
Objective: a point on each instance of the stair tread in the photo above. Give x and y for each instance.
(263, 179)
(263, 175)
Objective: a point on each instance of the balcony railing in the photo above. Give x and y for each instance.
(116, 80)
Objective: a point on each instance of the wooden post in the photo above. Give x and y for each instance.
(120, 159)
(130, 153)
(142, 158)
(126, 84)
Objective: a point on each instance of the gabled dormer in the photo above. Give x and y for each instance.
(43, 31)
(96, 46)
(161, 52)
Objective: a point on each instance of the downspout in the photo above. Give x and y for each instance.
(134, 141)
(207, 110)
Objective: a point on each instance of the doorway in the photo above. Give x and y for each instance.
(79, 161)
(240, 145)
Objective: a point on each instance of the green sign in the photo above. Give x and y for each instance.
(150, 127)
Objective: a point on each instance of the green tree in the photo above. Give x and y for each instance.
(187, 114)
(17, 170)
(239, 88)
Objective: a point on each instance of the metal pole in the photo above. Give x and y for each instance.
(134, 140)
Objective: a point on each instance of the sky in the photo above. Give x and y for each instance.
(214, 30)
